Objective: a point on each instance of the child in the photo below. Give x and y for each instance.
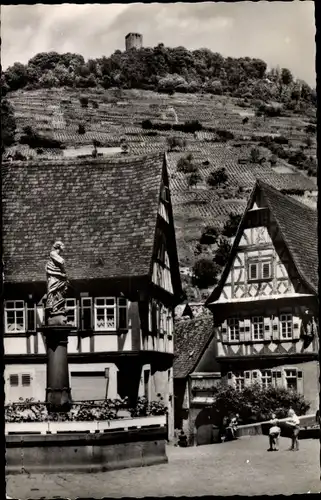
(274, 434)
(294, 422)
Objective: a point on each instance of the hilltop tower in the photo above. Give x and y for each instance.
(133, 40)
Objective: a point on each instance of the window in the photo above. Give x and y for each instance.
(258, 328)
(291, 379)
(25, 380)
(14, 380)
(286, 326)
(71, 312)
(239, 381)
(266, 378)
(165, 194)
(105, 314)
(260, 270)
(86, 313)
(110, 313)
(234, 329)
(15, 317)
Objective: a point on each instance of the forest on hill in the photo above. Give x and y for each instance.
(162, 69)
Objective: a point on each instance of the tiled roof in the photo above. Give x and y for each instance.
(104, 210)
(191, 338)
(298, 224)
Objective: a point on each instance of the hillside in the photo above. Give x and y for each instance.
(134, 121)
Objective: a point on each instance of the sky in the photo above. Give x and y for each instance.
(280, 33)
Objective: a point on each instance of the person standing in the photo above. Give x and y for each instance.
(274, 434)
(294, 422)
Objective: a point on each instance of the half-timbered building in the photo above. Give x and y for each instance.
(115, 219)
(265, 306)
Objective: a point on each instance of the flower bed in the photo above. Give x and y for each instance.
(85, 411)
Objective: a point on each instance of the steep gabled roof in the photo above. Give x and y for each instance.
(104, 210)
(298, 225)
(192, 336)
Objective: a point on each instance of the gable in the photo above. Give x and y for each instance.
(267, 259)
(165, 266)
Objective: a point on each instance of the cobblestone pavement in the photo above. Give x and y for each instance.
(242, 467)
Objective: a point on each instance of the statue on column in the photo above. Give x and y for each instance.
(57, 285)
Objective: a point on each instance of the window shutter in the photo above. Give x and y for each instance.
(300, 381)
(25, 379)
(247, 378)
(253, 274)
(224, 335)
(150, 315)
(14, 380)
(266, 270)
(267, 329)
(280, 378)
(247, 329)
(275, 328)
(296, 327)
(242, 330)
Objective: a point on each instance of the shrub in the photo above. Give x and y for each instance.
(273, 160)
(255, 155)
(147, 124)
(186, 165)
(209, 235)
(224, 134)
(81, 128)
(96, 143)
(35, 140)
(84, 101)
(205, 273)
(194, 178)
(256, 404)
(95, 104)
(231, 225)
(217, 177)
(35, 411)
(175, 143)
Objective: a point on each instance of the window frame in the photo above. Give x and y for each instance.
(266, 378)
(84, 307)
(105, 307)
(285, 322)
(257, 323)
(259, 269)
(292, 376)
(75, 310)
(233, 325)
(239, 380)
(14, 310)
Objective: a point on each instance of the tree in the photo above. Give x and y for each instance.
(84, 101)
(217, 177)
(186, 165)
(8, 124)
(286, 76)
(176, 143)
(209, 235)
(231, 225)
(194, 178)
(273, 160)
(255, 155)
(222, 252)
(81, 128)
(205, 273)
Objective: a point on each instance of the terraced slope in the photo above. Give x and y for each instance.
(116, 117)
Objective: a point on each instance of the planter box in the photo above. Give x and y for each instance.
(84, 427)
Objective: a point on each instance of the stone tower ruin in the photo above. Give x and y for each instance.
(133, 40)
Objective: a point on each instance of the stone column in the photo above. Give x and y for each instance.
(58, 392)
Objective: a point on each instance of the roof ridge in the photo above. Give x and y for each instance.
(265, 185)
(81, 161)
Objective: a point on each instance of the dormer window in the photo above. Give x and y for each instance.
(260, 270)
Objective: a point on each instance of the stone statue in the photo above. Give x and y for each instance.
(57, 285)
